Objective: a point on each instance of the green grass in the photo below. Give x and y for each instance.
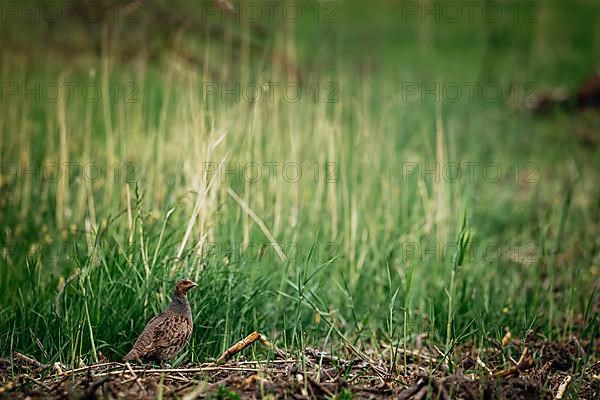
(85, 264)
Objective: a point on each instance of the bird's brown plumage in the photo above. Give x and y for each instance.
(166, 334)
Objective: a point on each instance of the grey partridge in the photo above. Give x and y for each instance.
(166, 334)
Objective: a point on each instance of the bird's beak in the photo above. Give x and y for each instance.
(194, 284)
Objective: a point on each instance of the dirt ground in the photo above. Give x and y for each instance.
(544, 370)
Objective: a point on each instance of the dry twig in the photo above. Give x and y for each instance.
(482, 364)
(38, 382)
(560, 393)
(239, 346)
(28, 360)
(135, 377)
(525, 362)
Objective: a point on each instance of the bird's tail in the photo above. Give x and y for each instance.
(132, 355)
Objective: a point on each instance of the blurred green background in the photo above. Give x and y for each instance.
(107, 199)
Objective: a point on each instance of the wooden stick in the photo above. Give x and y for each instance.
(239, 346)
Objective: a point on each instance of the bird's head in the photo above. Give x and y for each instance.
(182, 287)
